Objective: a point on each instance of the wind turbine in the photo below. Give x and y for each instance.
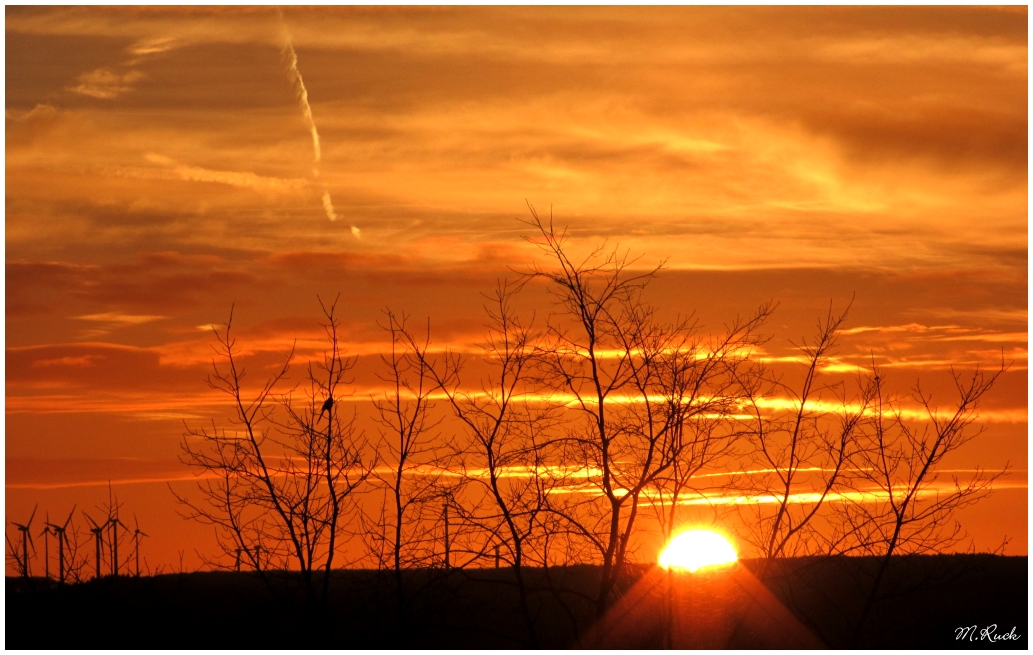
(137, 533)
(26, 540)
(98, 533)
(113, 507)
(59, 530)
(114, 523)
(46, 545)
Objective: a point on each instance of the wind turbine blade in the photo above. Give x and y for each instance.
(68, 520)
(33, 515)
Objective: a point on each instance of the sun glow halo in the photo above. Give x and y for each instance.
(697, 549)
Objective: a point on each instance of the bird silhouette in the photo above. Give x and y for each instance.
(327, 406)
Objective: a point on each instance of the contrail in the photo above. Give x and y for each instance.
(328, 205)
(299, 87)
(291, 58)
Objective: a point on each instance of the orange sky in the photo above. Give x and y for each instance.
(162, 164)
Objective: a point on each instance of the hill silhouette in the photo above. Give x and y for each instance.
(932, 596)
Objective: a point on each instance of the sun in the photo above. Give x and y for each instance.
(697, 549)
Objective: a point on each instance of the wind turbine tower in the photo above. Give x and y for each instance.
(59, 530)
(46, 546)
(98, 534)
(137, 533)
(26, 540)
(114, 523)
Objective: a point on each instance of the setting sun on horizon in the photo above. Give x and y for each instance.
(693, 550)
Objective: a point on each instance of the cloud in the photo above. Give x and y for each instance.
(779, 132)
(235, 178)
(123, 319)
(25, 127)
(166, 284)
(955, 363)
(151, 46)
(106, 84)
(111, 320)
(171, 170)
(49, 473)
(914, 333)
(910, 327)
(1011, 57)
(39, 113)
(84, 360)
(985, 315)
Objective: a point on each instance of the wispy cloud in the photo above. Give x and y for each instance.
(1011, 57)
(108, 321)
(172, 170)
(122, 319)
(984, 315)
(105, 83)
(910, 327)
(83, 360)
(235, 178)
(151, 46)
(941, 332)
(1001, 337)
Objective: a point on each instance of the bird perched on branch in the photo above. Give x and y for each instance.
(327, 406)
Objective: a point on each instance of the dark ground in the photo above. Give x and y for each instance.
(926, 599)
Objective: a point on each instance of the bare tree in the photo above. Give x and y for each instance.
(506, 444)
(69, 564)
(704, 446)
(416, 462)
(277, 486)
(702, 389)
(74, 558)
(801, 450)
(637, 383)
(900, 505)
(110, 510)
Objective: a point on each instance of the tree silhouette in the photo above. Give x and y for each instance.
(902, 508)
(505, 438)
(277, 484)
(416, 461)
(635, 382)
(801, 454)
(565, 436)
